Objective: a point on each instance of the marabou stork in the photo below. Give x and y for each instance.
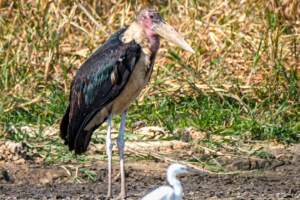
(111, 79)
(170, 193)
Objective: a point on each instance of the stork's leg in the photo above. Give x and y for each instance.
(109, 147)
(121, 145)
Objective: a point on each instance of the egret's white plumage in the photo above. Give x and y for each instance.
(167, 192)
(163, 193)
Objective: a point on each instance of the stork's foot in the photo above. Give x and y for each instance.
(109, 197)
(121, 197)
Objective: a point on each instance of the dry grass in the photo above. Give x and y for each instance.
(57, 38)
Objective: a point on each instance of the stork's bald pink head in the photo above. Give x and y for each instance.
(154, 24)
(148, 17)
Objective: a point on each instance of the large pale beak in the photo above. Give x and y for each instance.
(163, 29)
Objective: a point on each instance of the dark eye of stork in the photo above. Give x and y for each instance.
(151, 16)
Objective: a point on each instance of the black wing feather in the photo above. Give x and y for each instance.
(92, 88)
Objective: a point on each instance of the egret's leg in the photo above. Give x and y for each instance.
(121, 145)
(109, 147)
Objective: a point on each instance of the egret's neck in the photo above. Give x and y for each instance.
(176, 186)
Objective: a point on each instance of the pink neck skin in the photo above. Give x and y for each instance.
(153, 37)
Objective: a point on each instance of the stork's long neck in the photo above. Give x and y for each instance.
(153, 39)
(176, 186)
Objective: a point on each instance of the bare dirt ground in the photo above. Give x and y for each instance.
(248, 177)
(280, 179)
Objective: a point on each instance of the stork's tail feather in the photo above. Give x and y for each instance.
(64, 126)
(83, 141)
(78, 141)
(83, 138)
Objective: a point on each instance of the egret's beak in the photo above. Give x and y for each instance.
(196, 171)
(162, 28)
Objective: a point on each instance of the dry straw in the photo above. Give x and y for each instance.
(43, 36)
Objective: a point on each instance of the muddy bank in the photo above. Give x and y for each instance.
(53, 182)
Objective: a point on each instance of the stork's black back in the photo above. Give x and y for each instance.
(93, 88)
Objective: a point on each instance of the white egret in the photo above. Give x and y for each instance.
(167, 192)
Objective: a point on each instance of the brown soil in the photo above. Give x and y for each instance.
(30, 181)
